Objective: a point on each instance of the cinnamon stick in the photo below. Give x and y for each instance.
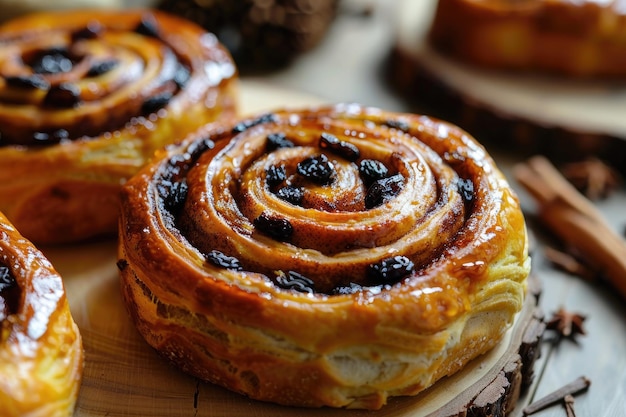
(574, 219)
(580, 384)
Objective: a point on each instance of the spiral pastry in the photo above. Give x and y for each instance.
(85, 99)
(41, 354)
(330, 256)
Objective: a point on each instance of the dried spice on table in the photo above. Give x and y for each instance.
(569, 405)
(570, 263)
(575, 220)
(580, 384)
(567, 323)
(592, 177)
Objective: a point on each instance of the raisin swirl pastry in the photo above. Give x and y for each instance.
(41, 353)
(330, 256)
(584, 38)
(85, 99)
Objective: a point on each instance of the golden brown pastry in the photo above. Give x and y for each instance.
(330, 256)
(582, 38)
(41, 353)
(85, 98)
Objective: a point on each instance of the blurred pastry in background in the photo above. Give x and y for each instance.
(10, 9)
(261, 34)
(585, 38)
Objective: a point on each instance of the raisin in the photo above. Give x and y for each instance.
(6, 278)
(62, 96)
(102, 67)
(295, 281)
(342, 148)
(56, 136)
(9, 293)
(179, 163)
(291, 194)
(34, 81)
(40, 137)
(277, 141)
(398, 124)
(275, 227)
(317, 168)
(247, 124)
(91, 31)
(372, 170)
(383, 190)
(392, 269)
(274, 175)
(181, 75)
(122, 264)
(53, 61)
(60, 135)
(156, 102)
(466, 189)
(222, 260)
(174, 194)
(196, 148)
(148, 26)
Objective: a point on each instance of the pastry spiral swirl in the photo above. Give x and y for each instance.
(330, 256)
(41, 354)
(85, 99)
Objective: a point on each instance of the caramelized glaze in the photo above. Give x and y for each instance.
(404, 276)
(41, 356)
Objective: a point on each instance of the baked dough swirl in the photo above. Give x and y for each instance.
(41, 353)
(330, 256)
(85, 98)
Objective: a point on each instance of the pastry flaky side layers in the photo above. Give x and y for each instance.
(330, 256)
(576, 38)
(85, 99)
(41, 353)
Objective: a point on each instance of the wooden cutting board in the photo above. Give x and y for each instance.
(125, 377)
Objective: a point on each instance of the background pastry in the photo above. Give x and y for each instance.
(581, 38)
(261, 35)
(329, 256)
(41, 354)
(85, 98)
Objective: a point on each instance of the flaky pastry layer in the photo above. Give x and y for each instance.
(86, 97)
(41, 353)
(325, 300)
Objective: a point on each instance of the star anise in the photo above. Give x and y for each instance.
(592, 177)
(567, 323)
